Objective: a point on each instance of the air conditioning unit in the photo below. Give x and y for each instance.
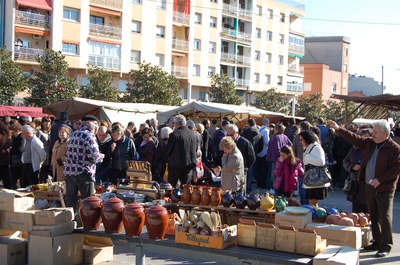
(36, 37)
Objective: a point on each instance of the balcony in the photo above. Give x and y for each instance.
(228, 57)
(296, 48)
(242, 36)
(27, 54)
(245, 13)
(243, 60)
(107, 62)
(181, 18)
(242, 82)
(105, 31)
(179, 71)
(181, 45)
(229, 9)
(229, 33)
(108, 3)
(31, 19)
(297, 88)
(296, 69)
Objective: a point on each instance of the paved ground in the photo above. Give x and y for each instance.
(123, 252)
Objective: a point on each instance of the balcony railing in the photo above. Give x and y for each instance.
(298, 88)
(246, 13)
(244, 60)
(229, 9)
(242, 36)
(228, 57)
(105, 31)
(179, 71)
(107, 62)
(27, 54)
(108, 3)
(182, 18)
(296, 69)
(31, 19)
(228, 33)
(182, 45)
(296, 48)
(242, 82)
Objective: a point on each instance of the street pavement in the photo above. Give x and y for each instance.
(123, 252)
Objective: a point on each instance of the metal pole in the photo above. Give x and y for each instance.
(140, 255)
(189, 94)
(294, 106)
(382, 80)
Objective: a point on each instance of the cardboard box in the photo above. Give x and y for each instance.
(247, 232)
(227, 238)
(11, 200)
(288, 219)
(265, 237)
(308, 242)
(12, 251)
(54, 216)
(10, 233)
(54, 230)
(337, 255)
(366, 236)
(338, 235)
(97, 249)
(21, 221)
(285, 239)
(67, 249)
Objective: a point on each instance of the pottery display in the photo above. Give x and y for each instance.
(205, 196)
(240, 201)
(176, 195)
(280, 204)
(156, 221)
(187, 193)
(253, 201)
(267, 202)
(167, 187)
(90, 213)
(227, 199)
(196, 195)
(111, 214)
(215, 198)
(133, 218)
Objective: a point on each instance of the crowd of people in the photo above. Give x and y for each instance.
(364, 161)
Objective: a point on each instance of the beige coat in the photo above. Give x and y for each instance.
(233, 178)
(59, 152)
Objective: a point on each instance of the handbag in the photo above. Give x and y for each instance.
(347, 185)
(316, 176)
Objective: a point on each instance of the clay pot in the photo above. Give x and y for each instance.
(215, 198)
(267, 202)
(111, 215)
(228, 199)
(133, 218)
(205, 196)
(167, 187)
(196, 195)
(90, 213)
(280, 204)
(156, 221)
(176, 195)
(253, 201)
(187, 193)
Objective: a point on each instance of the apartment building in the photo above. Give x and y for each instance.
(257, 43)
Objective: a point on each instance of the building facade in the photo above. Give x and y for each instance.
(365, 86)
(257, 43)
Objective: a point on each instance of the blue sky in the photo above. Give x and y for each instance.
(374, 31)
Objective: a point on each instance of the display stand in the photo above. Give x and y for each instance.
(50, 195)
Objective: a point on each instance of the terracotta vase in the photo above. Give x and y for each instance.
(111, 215)
(156, 221)
(187, 193)
(205, 196)
(90, 213)
(196, 195)
(133, 219)
(216, 197)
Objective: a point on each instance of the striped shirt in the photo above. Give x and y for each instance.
(82, 153)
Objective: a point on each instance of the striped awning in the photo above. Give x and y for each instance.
(32, 31)
(39, 4)
(105, 11)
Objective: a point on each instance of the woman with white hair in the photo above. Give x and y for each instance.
(232, 167)
(160, 158)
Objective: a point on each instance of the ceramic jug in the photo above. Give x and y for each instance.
(187, 193)
(196, 195)
(215, 198)
(90, 213)
(133, 218)
(156, 221)
(168, 189)
(267, 202)
(205, 196)
(111, 214)
(240, 201)
(253, 201)
(280, 204)
(228, 199)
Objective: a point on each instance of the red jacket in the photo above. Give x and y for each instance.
(281, 172)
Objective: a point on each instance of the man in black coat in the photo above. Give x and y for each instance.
(250, 131)
(182, 146)
(247, 150)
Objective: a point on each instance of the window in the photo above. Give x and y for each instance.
(197, 18)
(197, 44)
(160, 59)
(196, 70)
(203, 96)
(346, 52)
(136, 26)
(211, 71)
(71, 14)
(161, 4)
(160, 31)
(212, 47)
(104, 55)
(69, 48)
(267, 79)
(333, 86)
(257, 55)
(281, 59)
(280, 80)
(282, 17)
(258, 33)
(259, 10)
(281, 38)
(269, 35)
(213, 22)
(214, 1)
(270, 14)
(256, 78)
(84, 82)
(135, 56)
(269, 57)
(97, 20)
(345, 68)
(122, 85)
(136, 1)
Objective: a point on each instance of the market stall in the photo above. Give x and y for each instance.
(15, 111)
